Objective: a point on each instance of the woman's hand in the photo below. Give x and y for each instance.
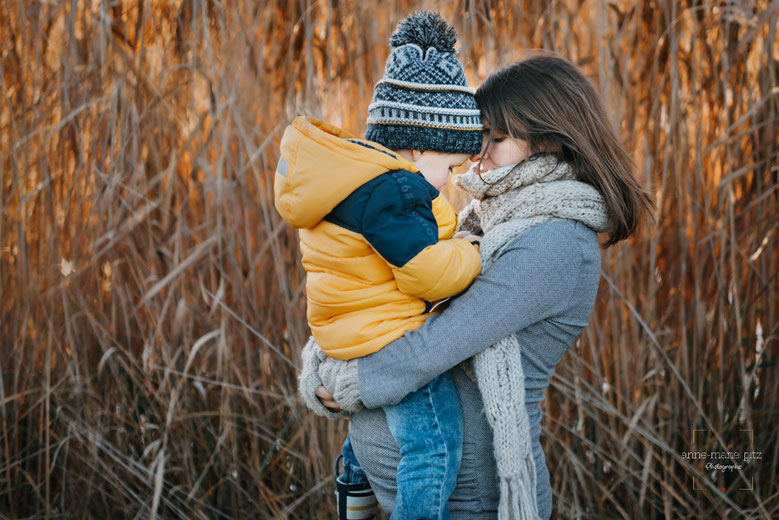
(341, 382)
(309, 382)
(318, 373)
(327, 399)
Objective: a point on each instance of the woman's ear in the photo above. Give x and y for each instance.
(416, 154)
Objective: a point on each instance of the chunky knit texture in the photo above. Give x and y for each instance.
(423, 102)
(342, 379)
(309, 380)
(508, 202)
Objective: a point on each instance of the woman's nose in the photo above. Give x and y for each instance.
(479, 156)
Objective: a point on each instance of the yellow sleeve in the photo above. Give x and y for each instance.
(443, 269)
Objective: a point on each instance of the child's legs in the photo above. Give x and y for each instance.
(356, 500)
(353, 473)
(427, 426)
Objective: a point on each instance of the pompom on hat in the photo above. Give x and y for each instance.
(423, 101)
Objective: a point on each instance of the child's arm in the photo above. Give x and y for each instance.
(400, 226)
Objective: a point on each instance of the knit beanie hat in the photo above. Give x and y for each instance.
(423, 102)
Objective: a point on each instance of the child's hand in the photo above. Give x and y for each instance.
(440, 304)
(465, 235)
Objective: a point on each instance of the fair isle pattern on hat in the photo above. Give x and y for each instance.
(423, 86)
(423, 101)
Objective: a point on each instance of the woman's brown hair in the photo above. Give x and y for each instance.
(548, 102)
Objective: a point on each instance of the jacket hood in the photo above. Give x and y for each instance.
(321, 165)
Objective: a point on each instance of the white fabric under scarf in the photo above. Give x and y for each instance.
(507, 202)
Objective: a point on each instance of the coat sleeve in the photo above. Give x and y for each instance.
(399, 224)
(542, 274)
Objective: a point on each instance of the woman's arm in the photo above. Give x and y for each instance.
(534, 279)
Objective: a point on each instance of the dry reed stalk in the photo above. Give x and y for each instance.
(153, 303)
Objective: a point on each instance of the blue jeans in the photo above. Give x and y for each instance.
(353, 473)
(427, 426)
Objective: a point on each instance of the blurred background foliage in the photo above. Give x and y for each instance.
(153, 305)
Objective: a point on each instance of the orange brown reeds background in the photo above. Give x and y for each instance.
(153, 304)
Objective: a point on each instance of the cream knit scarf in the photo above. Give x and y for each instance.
(511, 201)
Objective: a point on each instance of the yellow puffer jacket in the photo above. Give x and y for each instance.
(374, 235)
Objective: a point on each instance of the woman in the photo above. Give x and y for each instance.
(557, 175)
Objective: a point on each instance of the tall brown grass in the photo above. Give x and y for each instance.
(152, 300)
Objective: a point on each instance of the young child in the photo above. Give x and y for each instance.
(376, 238)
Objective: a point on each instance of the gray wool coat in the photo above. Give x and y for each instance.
(542, 288)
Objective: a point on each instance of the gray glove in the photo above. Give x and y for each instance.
(309, 380)
(341, 378)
